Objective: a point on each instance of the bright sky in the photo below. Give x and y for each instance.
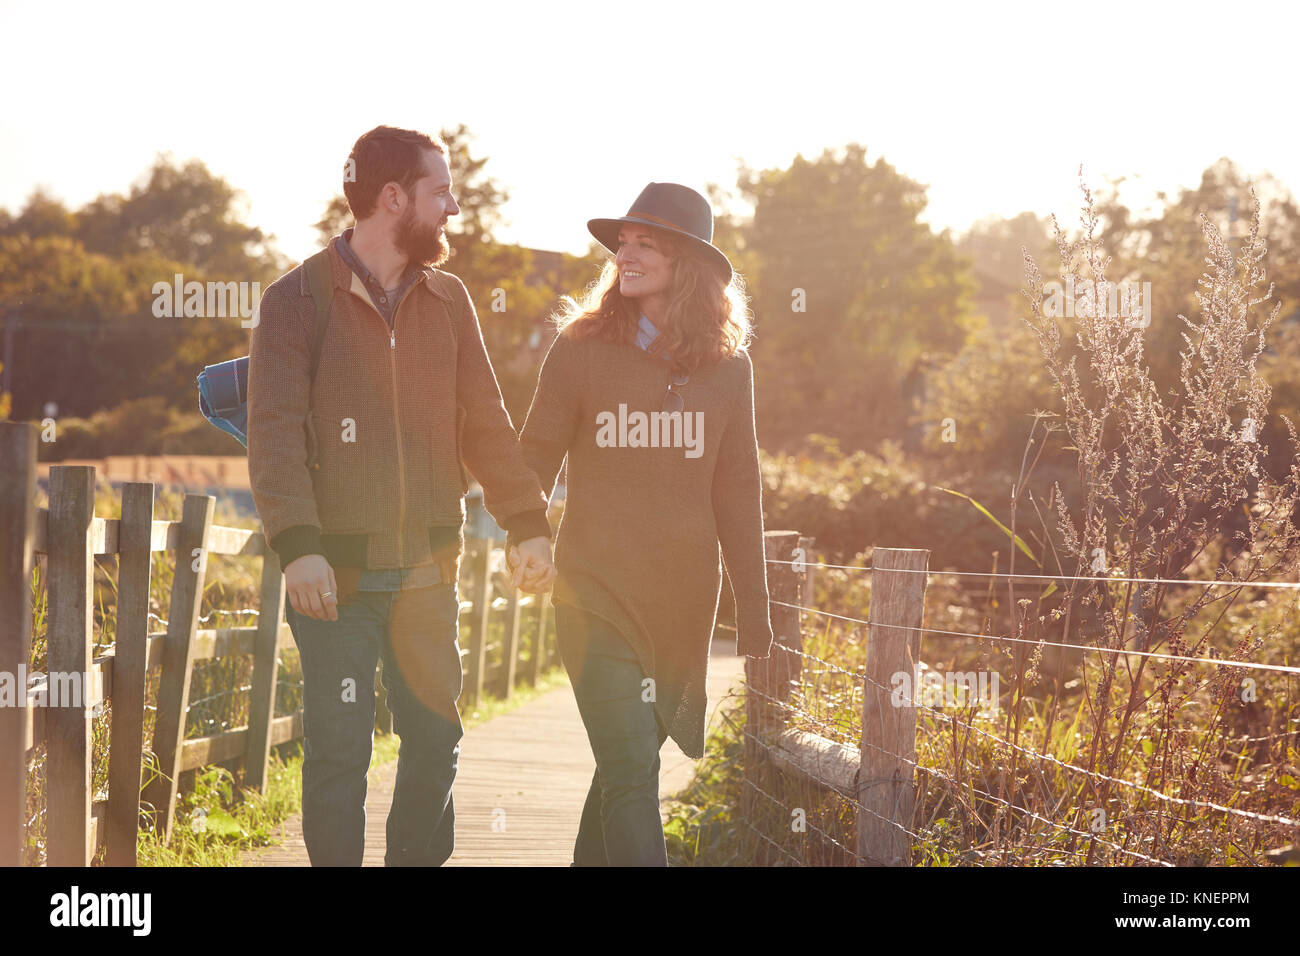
(580, 104)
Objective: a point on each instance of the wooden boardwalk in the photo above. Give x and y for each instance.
(531, 768)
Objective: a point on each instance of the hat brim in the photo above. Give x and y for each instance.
(605, 232)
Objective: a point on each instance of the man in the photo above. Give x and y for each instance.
(370, 536)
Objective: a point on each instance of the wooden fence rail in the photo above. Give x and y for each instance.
(878, 774)
(58, 708)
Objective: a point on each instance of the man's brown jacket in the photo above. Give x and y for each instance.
(398, 417)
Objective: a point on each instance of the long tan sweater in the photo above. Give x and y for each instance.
(638, 544)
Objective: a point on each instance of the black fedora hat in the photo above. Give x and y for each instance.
(672, 208)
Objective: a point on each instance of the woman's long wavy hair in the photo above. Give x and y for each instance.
(707, 320)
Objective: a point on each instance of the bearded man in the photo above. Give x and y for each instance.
(358, 451)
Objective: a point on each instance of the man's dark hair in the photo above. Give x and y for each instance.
(384, 155)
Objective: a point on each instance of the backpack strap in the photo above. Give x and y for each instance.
(320, 277)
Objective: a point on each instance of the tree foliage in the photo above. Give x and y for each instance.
(852, 294)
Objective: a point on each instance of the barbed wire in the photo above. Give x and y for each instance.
(1092, 579)
(206, 617)
(1093, 774)
(1216, 661)
(750, 783)
(226, 693)
(933, 771)
(861, 675)
(766, 839)
(792, 707)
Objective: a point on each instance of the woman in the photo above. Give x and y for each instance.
(648, 390)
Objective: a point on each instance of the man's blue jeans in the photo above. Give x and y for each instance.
(415, 631)
(620, 824)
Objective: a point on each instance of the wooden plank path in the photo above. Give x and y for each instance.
(532, 767)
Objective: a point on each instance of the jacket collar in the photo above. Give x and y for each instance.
(343, 275)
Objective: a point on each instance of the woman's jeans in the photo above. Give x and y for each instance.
(620, 824)
(415, 631)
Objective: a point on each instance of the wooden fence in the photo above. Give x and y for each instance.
(69, 536)
(878, 775)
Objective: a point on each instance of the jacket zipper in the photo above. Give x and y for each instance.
(397, 430)
(401, 458)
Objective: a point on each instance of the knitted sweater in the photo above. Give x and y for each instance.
(648, 503)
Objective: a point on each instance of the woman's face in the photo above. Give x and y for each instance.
(644, 269)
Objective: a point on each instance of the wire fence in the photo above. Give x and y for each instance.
(874, 737)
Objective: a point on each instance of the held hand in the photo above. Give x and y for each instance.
(312, 590)
(530, 565)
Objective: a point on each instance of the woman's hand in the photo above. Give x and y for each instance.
(530, 565)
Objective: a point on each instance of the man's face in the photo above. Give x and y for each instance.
(420, 232)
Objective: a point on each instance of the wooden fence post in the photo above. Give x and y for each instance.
(541, 648)
(510, 658)
(68, 642)
(178, 656)
(886, 787)
(266, 658)
(126, 733)
(17, 539)
(481, 595)
(768, 678)
(784, 584)
(807, 589)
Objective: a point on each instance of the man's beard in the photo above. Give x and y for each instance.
(420, 243)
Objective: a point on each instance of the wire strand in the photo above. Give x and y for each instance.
(1093, 579)
(1216, 661)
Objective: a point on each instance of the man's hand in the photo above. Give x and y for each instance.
(312, 589)
(530, 565)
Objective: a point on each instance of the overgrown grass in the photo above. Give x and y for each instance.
(217, 821)
(971, 808)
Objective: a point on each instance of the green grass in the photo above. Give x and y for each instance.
(216, 821)
(703, 826)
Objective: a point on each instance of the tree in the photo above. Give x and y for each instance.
(851, 294)
(89, 339)
(186, 214)
(43, 215)
(337, 217)
(996, 248)
(82, 284)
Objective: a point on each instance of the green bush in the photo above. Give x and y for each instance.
(853, 502)
(140, 426)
